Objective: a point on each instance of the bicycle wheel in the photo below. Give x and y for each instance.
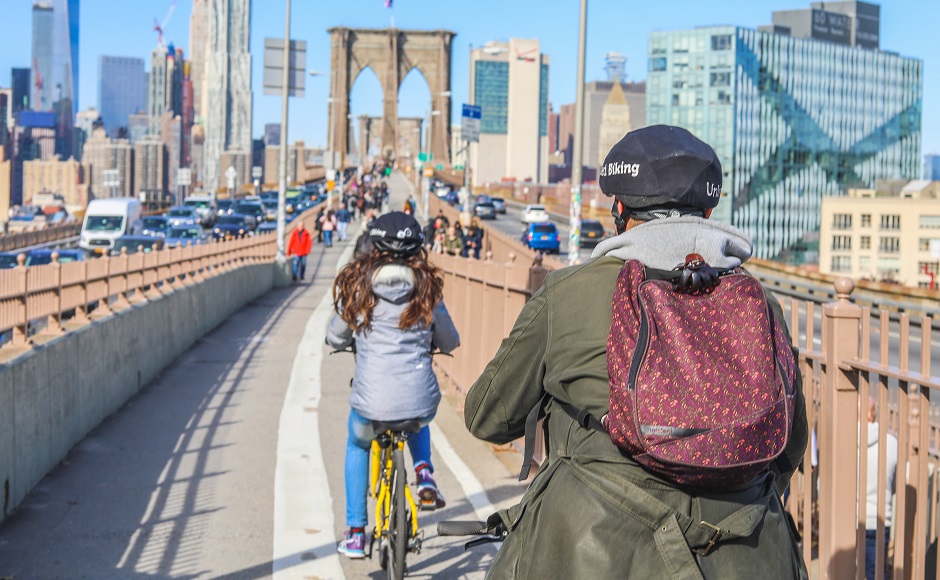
(398, 532)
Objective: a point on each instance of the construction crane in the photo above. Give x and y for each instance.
(161, 27)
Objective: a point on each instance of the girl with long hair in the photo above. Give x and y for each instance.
(389, 302)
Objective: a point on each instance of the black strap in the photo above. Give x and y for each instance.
(583, 418)
(531, 423)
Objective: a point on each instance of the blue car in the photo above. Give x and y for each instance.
(543, 237)
(155, 226)
(44, 256)
(8, 260)
(189, 235)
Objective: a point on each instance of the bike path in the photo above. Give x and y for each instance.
(214, 470)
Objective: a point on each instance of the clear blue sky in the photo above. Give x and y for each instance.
(124, 28)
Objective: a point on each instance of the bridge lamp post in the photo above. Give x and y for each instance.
(281, 257)
(574, 240)
(428, 155)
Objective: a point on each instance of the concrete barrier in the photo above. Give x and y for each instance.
(54, 395)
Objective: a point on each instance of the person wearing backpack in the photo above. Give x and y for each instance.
(642, 478)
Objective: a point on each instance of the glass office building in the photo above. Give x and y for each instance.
(792, 120)
(122, 90)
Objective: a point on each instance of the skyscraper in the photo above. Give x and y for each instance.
(165, 93)
(787, 133)
(616, 66)
(198, 53)
(228, 81)
(20, 85)
(55, 65)
(122, 90)
(509, 81)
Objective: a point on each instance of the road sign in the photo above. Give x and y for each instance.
(428, 172)
(439, 167)
(470, 123)
(274, 66)
(256, 172)
(230, 175)
(425, 156)
(184, 176)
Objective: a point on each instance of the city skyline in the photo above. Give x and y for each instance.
(115, 28)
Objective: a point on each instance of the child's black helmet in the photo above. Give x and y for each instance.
(396, 233)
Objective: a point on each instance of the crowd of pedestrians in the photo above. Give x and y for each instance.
(442, 237)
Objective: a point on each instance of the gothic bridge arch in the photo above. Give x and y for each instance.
(391, 53)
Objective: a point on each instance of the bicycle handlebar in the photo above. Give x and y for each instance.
(454, 528)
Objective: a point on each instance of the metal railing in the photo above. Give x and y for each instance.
(46, 296)
(44, 235)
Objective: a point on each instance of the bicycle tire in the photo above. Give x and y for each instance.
(398, 528)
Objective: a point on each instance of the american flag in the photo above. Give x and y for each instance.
(388, 3)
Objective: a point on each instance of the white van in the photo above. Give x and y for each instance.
(108, 219)
(205, 206)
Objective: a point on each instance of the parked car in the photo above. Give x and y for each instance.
(592, 232)
(44, 256)
(235, 225)
(543, 237)
(500, 204)
(155, 226)
(533, 214)
(8, 260)
(134, 242)
(485, 210)
(180, 215)
(190, 235)
(252, 209)
(108, 219)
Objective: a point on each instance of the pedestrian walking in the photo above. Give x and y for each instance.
(298, 248)
(328, 225)
(342, 223)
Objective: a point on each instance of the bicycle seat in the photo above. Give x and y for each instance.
(406, 426)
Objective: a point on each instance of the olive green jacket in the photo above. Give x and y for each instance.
(591, 511)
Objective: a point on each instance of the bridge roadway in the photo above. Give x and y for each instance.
(230, 464)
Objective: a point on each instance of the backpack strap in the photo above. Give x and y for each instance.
(531, 422)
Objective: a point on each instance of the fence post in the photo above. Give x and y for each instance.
(20, 336)
(537, 274)
(54, 322)
(838, 450)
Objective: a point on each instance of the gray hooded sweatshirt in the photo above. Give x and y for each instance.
(394, 380)
(664, 243)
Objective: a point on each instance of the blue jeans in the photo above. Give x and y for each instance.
(358, 446)
(300, 267)
(328, 237)
(871, 548)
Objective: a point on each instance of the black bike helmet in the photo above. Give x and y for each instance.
(396, 233)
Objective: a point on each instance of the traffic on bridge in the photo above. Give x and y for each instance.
(402, 292)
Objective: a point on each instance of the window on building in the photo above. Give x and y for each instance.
(928, 268)
(889, 265)
(841, 242)
(890, 222)
(720, 79)
(930, 222)
(865, 242)
(658, 64)
(721, 42)
(842, 221)
(866, 220)
(889, 245)
(864, 265)
(841, 264)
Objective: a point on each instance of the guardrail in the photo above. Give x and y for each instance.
(51, 293)
(44, 235)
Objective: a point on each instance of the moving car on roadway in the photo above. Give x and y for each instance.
(132, 243)
(543, 237)
(533, 214)
(8, 260)
(180, 215)
(225, 207)
(252, 209)
(205, 207)
(592, 232)
(108, 219)
(234, 225)
(500, 204)
(44, 256)
(184, 236)
(485, 210)
(155, 226)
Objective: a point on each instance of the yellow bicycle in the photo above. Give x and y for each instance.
(396, 513)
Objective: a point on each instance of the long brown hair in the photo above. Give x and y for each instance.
(354, 300)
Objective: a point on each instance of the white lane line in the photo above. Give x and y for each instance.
(472, 488)
(304, 542)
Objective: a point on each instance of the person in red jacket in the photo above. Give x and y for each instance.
(299, 247)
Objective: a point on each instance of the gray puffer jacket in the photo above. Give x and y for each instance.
(394, 379)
